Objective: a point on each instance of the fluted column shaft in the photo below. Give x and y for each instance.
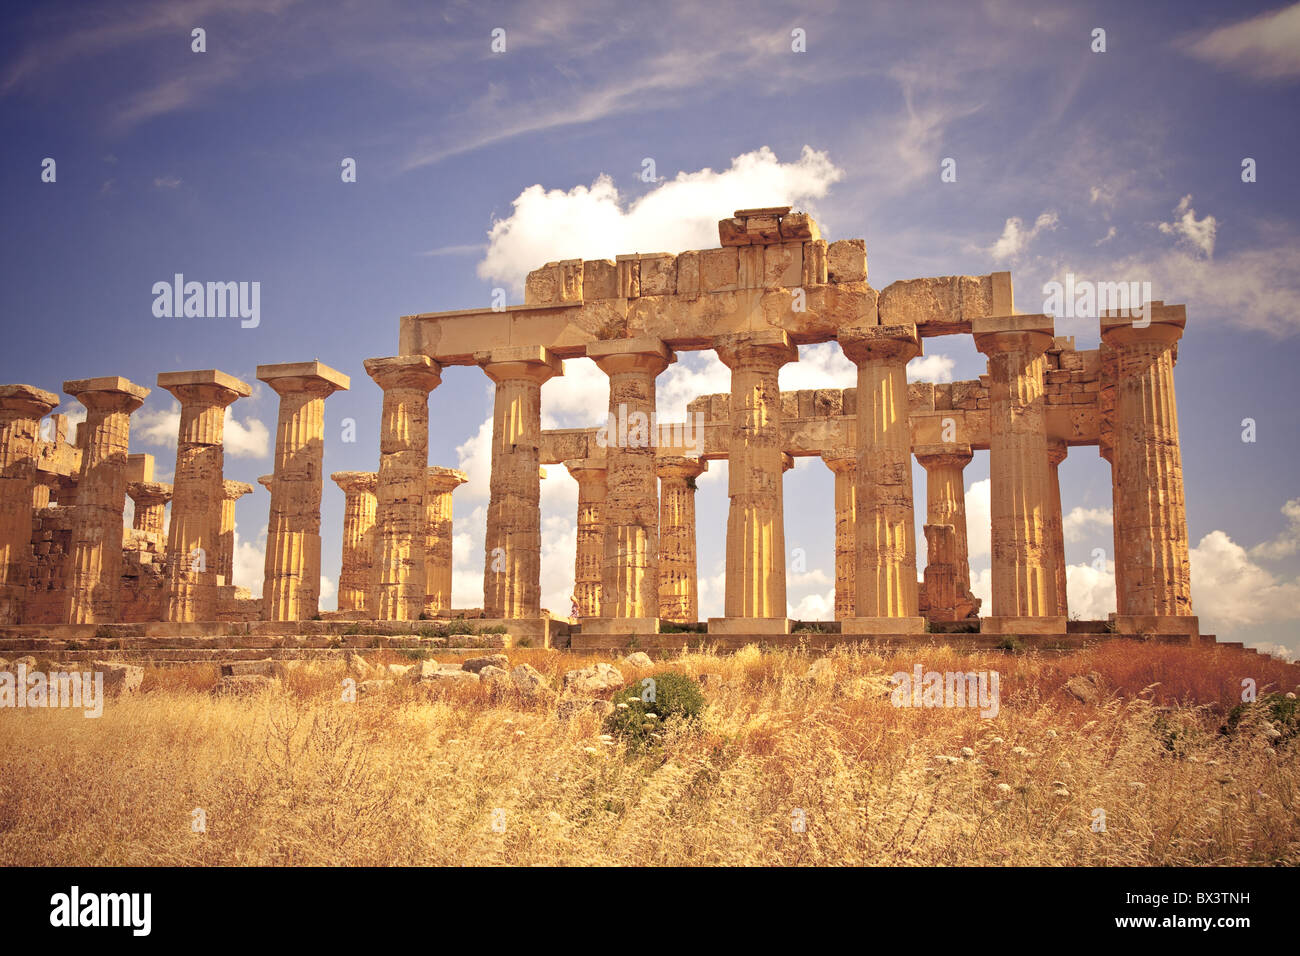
(21, 409)
(1024, 576)
(291, 577)
(1152, 571)
(756, 463)
(1056, 452)
(150, 498)
(629, 583)
(193, 536)
(359, 509)
(438, 557)
(678, 577)
(844, 464)
(232, 492)
(589, 558)
(95, 552)
(886, 535)
(512, 566)
(399, 562)
(946, 496)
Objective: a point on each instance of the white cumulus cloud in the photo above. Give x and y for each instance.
(593, 222)
(1015, 238)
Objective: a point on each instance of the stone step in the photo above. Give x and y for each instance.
(174, 658)
(17, 646)
(813, 641)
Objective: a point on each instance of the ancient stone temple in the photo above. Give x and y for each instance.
(773, 284)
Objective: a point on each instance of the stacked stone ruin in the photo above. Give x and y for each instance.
(773, 285)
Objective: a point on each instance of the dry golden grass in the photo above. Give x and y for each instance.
(298, 777)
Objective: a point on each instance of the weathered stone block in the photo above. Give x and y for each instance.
(846, 261)
(719, 270)
(599, 279)
(782, 265)
(688, 273)
(658, 274)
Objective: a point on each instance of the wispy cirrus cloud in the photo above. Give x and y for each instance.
(1264, 47)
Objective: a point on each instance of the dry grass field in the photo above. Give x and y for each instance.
(296, 776)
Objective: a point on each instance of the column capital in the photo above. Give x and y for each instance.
(234, 490)
(529, 362)
(265, 481)
(354, 482)
(680, 466)
(27, 400)
(404, 371)
(757, 346)
(842, 461)
(630, 355)
(584, 469)
(1161, 325)
(1013, 333)
(108, 394)
(943, 454)
(441, 480)
(313, 377)
(1057, 449)
(150, 492)
(204, 386)
(880, 343)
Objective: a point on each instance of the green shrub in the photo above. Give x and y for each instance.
(459, 626)
(676, 697)
(1011, 643)
(1282, 711)
(494, 629)
(352, 629)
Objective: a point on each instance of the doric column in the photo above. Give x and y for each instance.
(589, 559)
(232, 491)
(359, 509)
(886, 535)
(1024, 578)
(678, 578)
(95, 550)
(1057, 449)
(291, 581)
(844, 463)
(150, 498)
(512, 565)
(398, 580)
(945, 496)
(21, 409)
(193, 536)
(629, 582)
(1152, 573)
(756, 460)
(437, 565)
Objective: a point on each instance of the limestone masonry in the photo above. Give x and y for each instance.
(66, 556)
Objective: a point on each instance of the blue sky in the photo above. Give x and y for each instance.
(474, 166)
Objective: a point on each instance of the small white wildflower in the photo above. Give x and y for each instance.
(519, 733)
(1061, 792)
(1020, 751)
(967, 752)
(1051, 734)
(1004, 788)
(590, 750)
(622, 706)
(997, 740)
(1137, 785)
